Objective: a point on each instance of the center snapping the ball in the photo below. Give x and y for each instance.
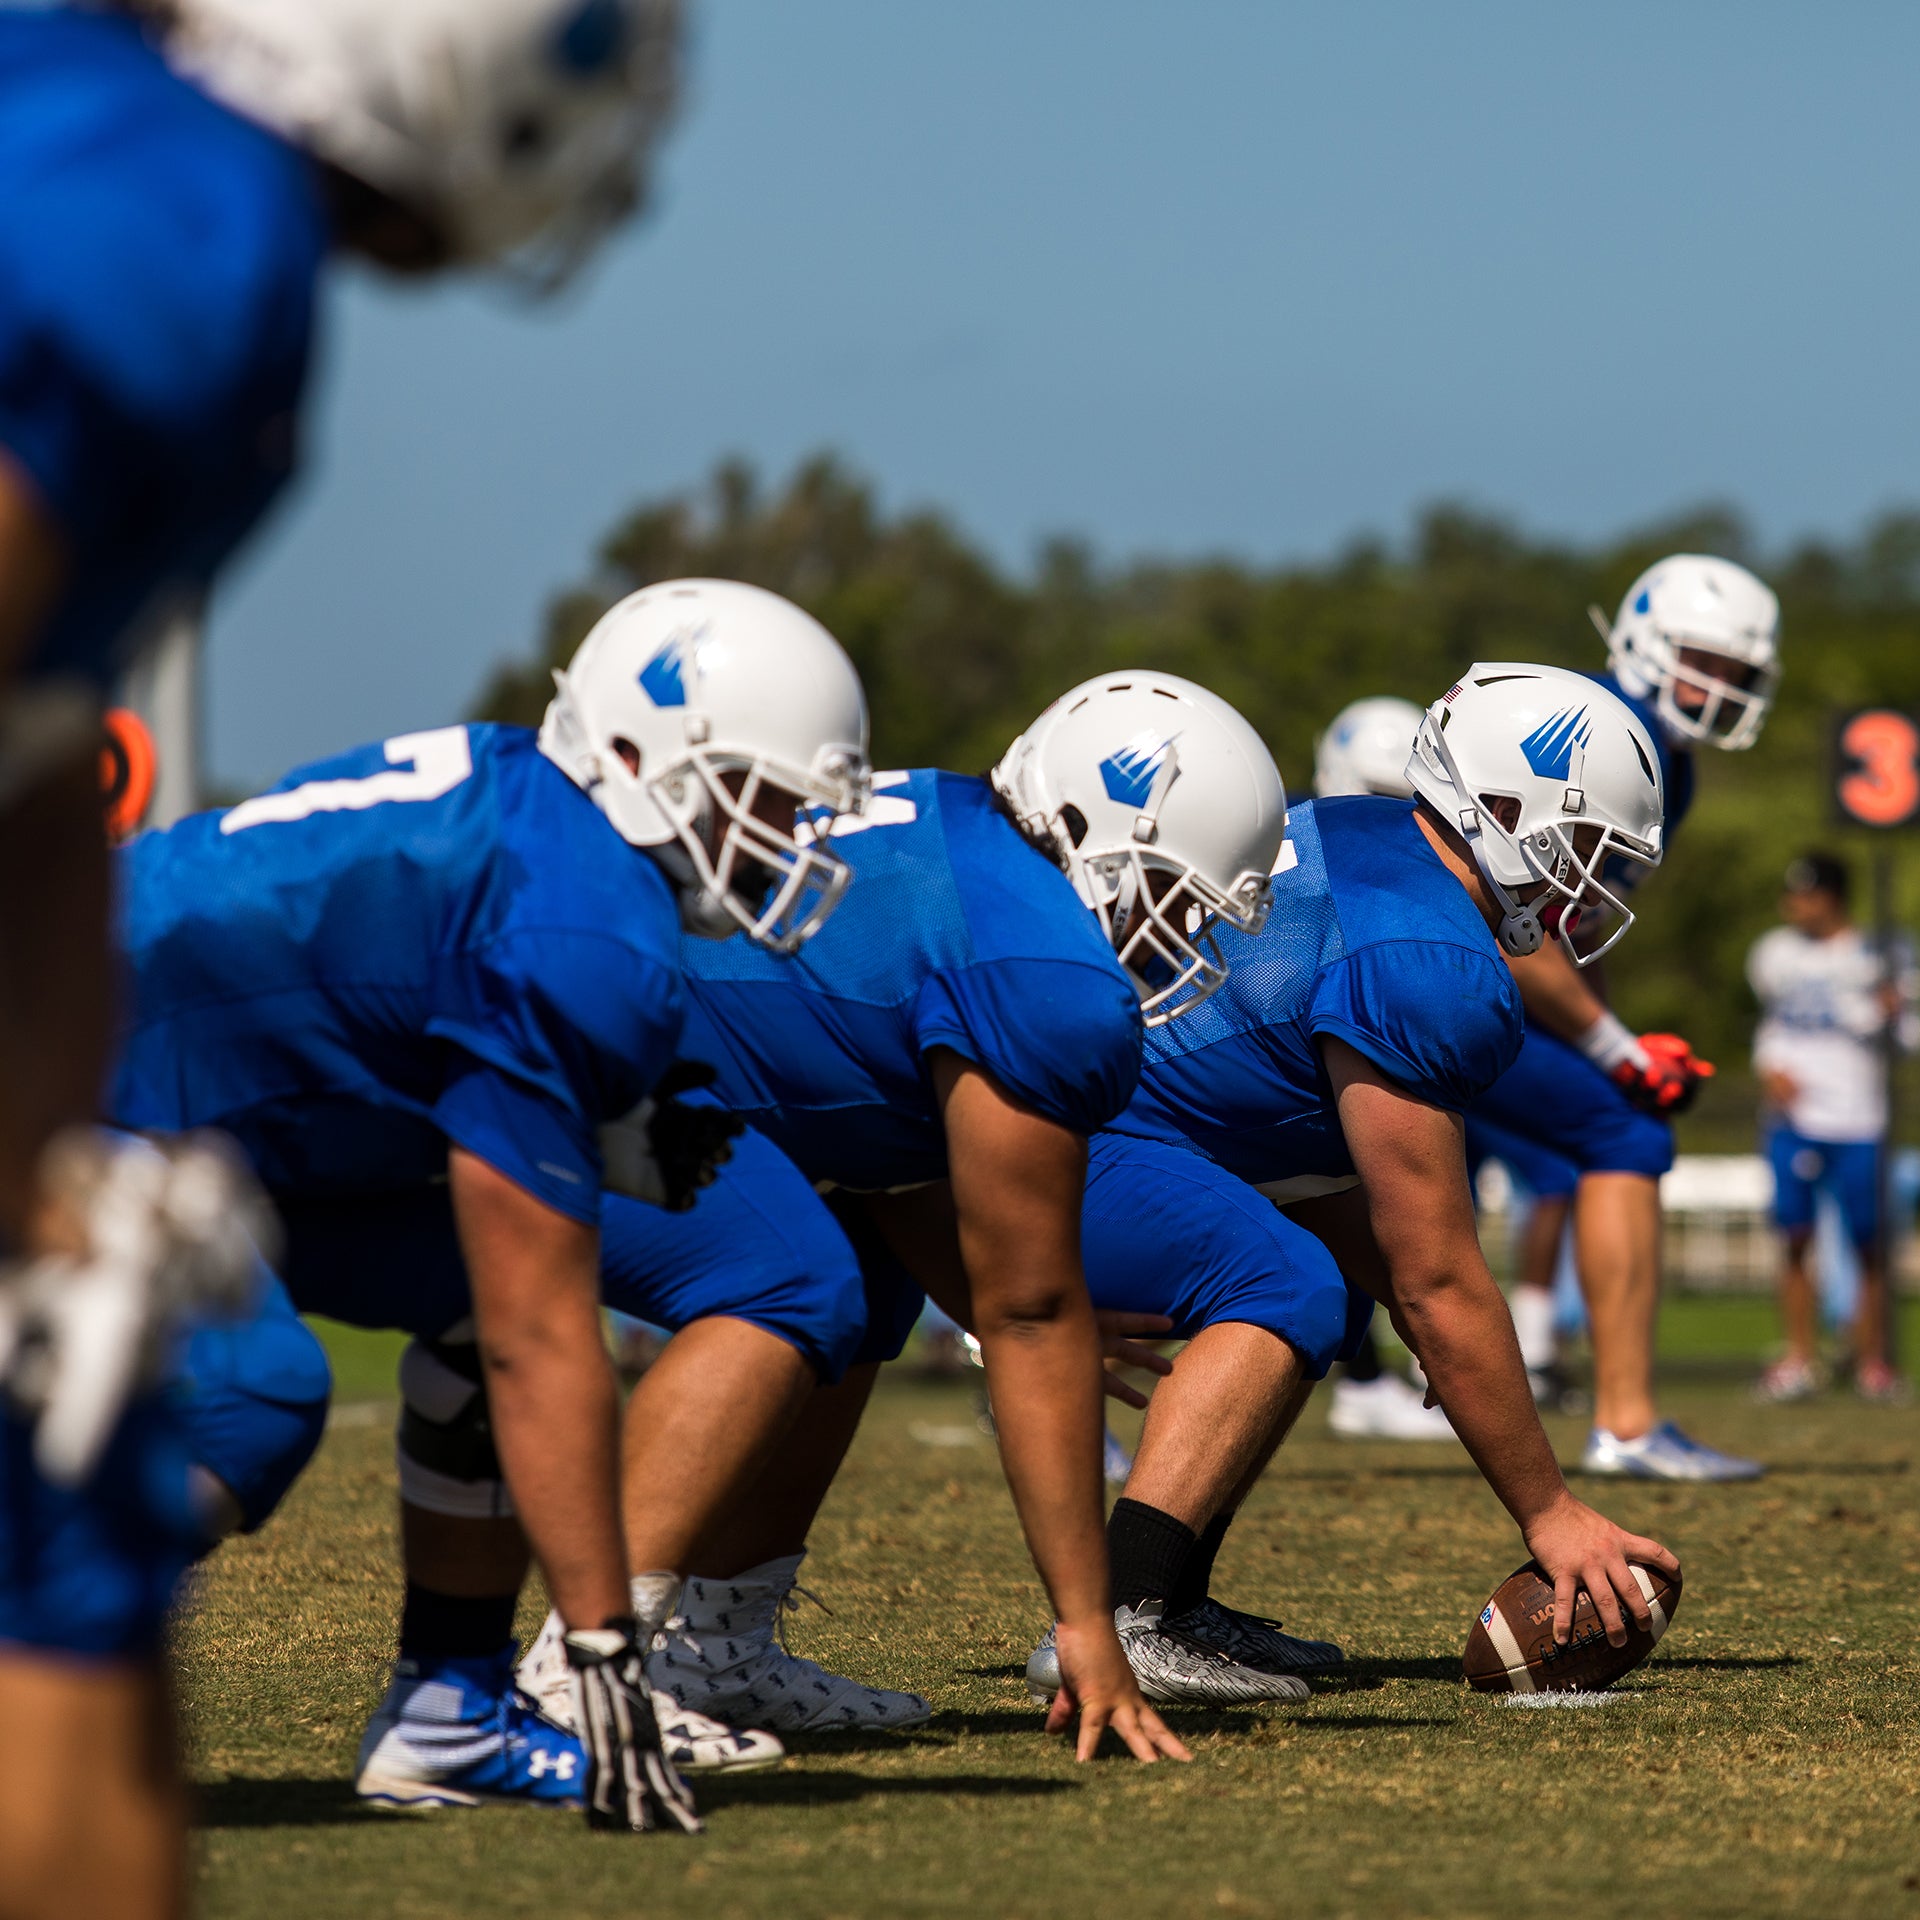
(1511, 1648)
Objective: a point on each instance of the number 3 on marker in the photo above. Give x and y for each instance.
(1882, 787)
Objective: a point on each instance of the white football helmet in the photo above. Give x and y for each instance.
(1167, 813)
(504, 122)
(1698, 637)
(720, 726)
(1554, 753)
(1366, 748)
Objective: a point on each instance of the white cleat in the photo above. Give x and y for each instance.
(721, 1655)
(1173, 1670)
(1664, 1453)
(1386, 1408)
(693, 1742)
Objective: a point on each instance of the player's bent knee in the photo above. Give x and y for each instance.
(447, 1460)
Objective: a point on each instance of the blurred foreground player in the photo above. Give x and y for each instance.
(169, 188)
(434, 981)
(1365, 750)
(1826, 1004)
(1294, 1153)
(1693, 651)
(936, 1061)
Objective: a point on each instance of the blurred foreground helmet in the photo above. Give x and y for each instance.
(725, 729)
(1366, 748)
(504, 123)
(1699, 638)
(1546, 775)
(1166, 811)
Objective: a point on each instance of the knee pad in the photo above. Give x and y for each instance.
(444, 1443)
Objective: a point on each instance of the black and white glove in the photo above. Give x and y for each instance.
(631, 1786)
(665, 1151)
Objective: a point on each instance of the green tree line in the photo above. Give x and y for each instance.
(958, 653)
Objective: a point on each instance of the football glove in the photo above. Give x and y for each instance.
(665, 1151)
(152, 1231)
(1667, 1076)
(631, 1786)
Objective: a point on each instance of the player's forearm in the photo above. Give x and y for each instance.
(1555, 994)
(1455, 1320)
(1044, 1373)
(555, 1410)
(33, 565)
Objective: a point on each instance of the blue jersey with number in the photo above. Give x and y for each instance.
(1372, 941)
(1676, 783)
(158, 259)
(956, 933)
(439, 939)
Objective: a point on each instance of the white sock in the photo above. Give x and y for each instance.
(655, 1595)
(1533, 1323)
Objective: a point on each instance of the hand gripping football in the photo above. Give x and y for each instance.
(1511, 1647)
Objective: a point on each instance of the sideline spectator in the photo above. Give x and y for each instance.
(1825, 1003)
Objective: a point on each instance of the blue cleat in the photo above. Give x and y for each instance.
(459, 1733)
(1664, 1453)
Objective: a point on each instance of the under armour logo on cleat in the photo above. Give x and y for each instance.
(560, 1765)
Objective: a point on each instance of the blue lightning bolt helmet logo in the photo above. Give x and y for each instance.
(664, 677)
(1549, 747)
(1128, 774)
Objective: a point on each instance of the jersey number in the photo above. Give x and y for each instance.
(440, 761)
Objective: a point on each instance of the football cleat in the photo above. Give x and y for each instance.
(1663, 1453)
(1172, 1669)
(459, 1733)
(1788, 1380)
(692, 1742)
(1386, 1408)
(1254, 1640)
(723, 1655)
(1878, 1384)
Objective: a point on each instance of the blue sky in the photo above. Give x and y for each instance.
(1232, 276)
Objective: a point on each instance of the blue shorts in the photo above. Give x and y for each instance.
(1167, 1231)
(1556, 1097)
(758, 1245)
(91, 1571)
(1545, 1174)
(1847, 1169)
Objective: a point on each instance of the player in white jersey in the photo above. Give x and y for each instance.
(1825, 1003)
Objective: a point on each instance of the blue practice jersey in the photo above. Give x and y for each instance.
(438, 939)
(158, 260)
(1676, 783)
(1372, 941)
(955, 933)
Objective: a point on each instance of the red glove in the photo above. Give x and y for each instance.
(1669, 1078)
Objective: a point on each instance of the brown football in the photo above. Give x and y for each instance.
(1511, 1648)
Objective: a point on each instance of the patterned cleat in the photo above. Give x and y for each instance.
(1788, 1380)
(693, 1743)
(1172, 1669)
(721, 1655)
(1253, 1640)
(1664, 1453)
(459, 1733)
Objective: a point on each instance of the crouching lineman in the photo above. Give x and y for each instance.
(1693, 652)
(172, 180)
(428, 986)
(937, 1059)
(1328, 1078)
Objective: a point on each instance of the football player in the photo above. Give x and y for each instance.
(1693, 650)
(172, 177)
(433, 990)
(1294, 1154)
(1365, 750)
(935, 1062)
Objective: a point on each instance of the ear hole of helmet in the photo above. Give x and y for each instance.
(1502, 807)
(1075, 823)
(629, 754)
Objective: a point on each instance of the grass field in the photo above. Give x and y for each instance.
(1767, 1761)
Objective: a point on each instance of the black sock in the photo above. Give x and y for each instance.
(450, 1626)
(1146, 1550)
(1365, 1364)
(1195, 1577)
